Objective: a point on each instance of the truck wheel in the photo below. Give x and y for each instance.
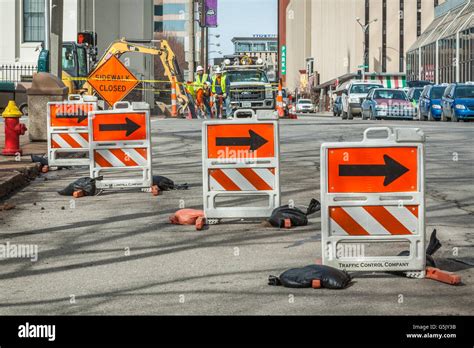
(350, 116)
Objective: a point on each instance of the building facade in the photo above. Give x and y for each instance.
(22, 29)
(327, 33)
(445, 50)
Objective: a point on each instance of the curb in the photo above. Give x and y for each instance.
(15, 179)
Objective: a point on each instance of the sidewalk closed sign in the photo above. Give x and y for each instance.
(112, 80)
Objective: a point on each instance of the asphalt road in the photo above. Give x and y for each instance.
(116, 253)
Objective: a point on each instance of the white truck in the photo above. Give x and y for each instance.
(249, 84)
(353, 96)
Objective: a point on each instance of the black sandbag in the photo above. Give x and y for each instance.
(297, 216)
(330, 277)
(165, 184)
(433, 246)
(85, 184)
(39, 159)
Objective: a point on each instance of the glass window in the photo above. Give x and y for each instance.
(174, 25)
(68, 58)
(158, 10)
(246, 76)
(272, 46)
(243, 47)
(159, 27)
(33, 20)
(437, 92)
(363, 88)
(390, 94)
(174, 8)
(259, 47)
(464, 92)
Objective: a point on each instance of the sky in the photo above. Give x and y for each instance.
(242, 18)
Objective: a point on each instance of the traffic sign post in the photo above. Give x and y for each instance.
(373, 192)
(241, 159)
(68, 131)
(120, 148)
(112, 80)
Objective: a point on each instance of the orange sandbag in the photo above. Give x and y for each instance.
(186, 216)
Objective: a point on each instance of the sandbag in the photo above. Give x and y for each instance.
(39, 159)
(166, 184)
(295, 215)
(330, 277)
(432, 247)
(186, 216)
(86, 184)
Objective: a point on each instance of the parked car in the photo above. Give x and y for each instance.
(14, 91)
(304, 105)
(458, 102)
(418, 83)
(429, 105)
(353, 96)
(387, 103)
(337, 106)
(413, 95)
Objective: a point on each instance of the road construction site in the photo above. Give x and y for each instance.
(116, 253)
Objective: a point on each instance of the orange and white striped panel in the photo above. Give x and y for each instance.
(118, 158)
(70, 140)
(373, 220)
(242, 179)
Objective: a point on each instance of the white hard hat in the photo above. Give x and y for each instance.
(218, 70)
(200, 68)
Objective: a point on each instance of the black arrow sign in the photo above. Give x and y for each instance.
(391, 170)
(80, 116)
(254, 140)
(130, 127)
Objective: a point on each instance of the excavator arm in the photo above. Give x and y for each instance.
(167, 57)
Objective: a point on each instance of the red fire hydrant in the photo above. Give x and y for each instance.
(13, 129)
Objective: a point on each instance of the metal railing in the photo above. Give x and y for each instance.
(17, 73)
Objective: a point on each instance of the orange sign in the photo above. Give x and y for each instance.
(112, 80)
(240, 141)
(69, 115)
(119, 127)
(371, 170)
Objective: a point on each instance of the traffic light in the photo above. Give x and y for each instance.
(87, 37)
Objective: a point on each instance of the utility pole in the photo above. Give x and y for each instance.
(192, 39)
(206, 52)
(56, 37)
(203, 47)
(47, 24)
(365, 28)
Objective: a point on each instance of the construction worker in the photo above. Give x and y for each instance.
(221, 87)
(203, 95)
(199, 82)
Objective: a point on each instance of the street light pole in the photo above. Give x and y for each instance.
(365, 28)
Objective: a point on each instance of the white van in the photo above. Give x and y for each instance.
(354, 95)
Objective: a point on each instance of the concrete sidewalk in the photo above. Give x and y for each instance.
(17, 172)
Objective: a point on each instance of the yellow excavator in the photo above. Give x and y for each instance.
(76, 54)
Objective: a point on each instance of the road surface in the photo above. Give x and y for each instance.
(116, 253)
